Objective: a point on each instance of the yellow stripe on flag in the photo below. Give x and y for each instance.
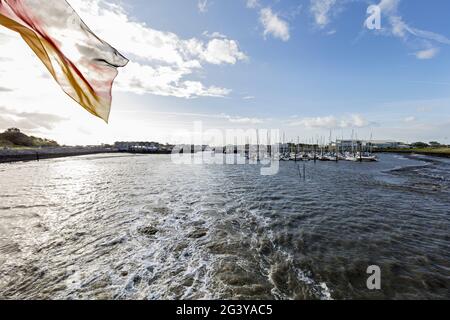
(83, 65)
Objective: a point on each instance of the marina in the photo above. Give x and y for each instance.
(224, 158)
(119, 226)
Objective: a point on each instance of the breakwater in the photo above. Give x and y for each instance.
(37, 154)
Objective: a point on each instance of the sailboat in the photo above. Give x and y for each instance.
(366, 157)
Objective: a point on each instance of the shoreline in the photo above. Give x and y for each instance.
(27, 155)
(438, 154)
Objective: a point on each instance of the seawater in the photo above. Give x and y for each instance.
(142, 227)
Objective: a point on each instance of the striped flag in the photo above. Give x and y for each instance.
(83, 65)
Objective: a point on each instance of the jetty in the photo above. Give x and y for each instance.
(8, 155)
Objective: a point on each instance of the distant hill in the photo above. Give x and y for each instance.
(14, 138)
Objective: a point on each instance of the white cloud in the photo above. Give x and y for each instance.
(202, 5)
(409, 119)
(30, 121)
(165, 81)
(318, 122)
(274, 25)
(253, 4)
(244, 120)
(321, 9)
(331, 122)
(427, 54)
(429, 35)
(355, 121)
(161, 62)
(4, 89)
(214, 35)
(399, 28)
(221, 51)
(389, 6)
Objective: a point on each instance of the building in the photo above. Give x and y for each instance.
(348, 144)
(374, 144)
(387, 144)
(143, 146)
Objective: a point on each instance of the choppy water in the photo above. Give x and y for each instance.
(140, 227)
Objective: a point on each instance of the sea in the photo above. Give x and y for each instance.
(144, 227)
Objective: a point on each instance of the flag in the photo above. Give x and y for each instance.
(83, 65)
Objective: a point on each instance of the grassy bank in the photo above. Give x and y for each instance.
(437, 152)
(14, 138)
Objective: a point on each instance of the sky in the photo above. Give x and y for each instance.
(305, 67)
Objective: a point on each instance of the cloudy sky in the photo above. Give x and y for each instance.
(302, 66)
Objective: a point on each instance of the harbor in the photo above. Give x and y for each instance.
(124, 226)
(224, 158)
(16, 146)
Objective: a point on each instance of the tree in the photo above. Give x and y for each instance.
(435, 144)
(13, 137)
(420, 145)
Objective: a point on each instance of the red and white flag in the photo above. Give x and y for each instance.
(83, 65)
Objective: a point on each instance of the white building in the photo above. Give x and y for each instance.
(375, 144)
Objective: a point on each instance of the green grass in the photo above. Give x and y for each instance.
(13, 138)
(434, 150)
(13, 147)
(5, 143)
(444, 151)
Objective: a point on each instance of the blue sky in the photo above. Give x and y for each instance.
(303, 66)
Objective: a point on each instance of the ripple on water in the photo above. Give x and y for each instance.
(144, 228)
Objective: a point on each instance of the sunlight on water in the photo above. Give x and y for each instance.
(140, 227)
